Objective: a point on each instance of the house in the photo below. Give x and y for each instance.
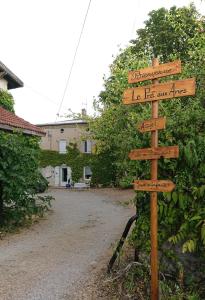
(8, 80)
(12, 123)
(8, 120)
(57, 138)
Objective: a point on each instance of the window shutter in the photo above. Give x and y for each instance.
(89, 146)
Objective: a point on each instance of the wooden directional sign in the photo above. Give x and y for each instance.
(154, 153)
(154, 185)
(162, 91)
(149, 73)
(152, 124)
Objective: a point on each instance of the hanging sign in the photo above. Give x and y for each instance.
(149, 73)
(162, 91)
(154, 153)
(152, 125)
(154, 185)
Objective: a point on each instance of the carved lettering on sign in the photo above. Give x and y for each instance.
(162, 91)
(154, 153)
(154, 185)
(152, 124)
(155, 72)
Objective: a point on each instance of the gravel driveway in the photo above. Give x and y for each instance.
(51, 260)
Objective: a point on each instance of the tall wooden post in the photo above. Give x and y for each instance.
(153, 204)
(153, 93)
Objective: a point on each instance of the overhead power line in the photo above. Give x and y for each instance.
(34, 90)
(73, 61)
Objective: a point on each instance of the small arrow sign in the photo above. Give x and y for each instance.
(154, 185)
(154, 153)
(152, 124)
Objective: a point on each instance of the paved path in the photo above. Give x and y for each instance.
(50, 260)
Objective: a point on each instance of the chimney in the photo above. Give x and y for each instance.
(84, 112)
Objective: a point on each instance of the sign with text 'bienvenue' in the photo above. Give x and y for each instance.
(154, 153)
(149, 73)
(154, 185)
(162, 91)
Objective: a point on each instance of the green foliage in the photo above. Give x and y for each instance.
(166, 32)
(172, 34)
(6, 100)
(100, 164)
(51, 158)
(73, 158)
(103, 170)
(18, 176)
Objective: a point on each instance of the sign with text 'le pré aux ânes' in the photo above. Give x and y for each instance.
(161, 91)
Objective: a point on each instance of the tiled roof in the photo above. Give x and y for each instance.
(13, 80)
(9, 121)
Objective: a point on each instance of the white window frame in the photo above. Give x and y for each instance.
(85, 174)
(87, 146)
(62, 149)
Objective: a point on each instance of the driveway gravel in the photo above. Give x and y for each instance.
(52, 259)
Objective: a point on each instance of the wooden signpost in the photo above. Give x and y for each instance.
(153, 93)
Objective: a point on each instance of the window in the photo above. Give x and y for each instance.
(87, 173)
(62, 146)
(87, 146)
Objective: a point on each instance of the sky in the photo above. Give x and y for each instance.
(39, 39)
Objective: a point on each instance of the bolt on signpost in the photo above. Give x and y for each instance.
(153, 93)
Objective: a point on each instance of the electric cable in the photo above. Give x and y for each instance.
(73, 61)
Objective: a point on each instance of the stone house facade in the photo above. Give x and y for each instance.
(57, 138)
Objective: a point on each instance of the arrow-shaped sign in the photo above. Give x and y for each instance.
(161, 91)
(154, 153)
(149, 73)
(154, 185)
(152, 124)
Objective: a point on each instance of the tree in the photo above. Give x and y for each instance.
(170, 34)
(6, 100)
(19, 174)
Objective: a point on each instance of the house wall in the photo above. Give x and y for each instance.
(3, 84)
(72, 133)
(54, 175)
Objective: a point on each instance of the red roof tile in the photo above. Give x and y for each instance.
(10, 121)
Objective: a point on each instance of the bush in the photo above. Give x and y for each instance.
(126, 182)
(40, 185)
(20, 179)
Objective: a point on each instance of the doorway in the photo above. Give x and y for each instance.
(65, 175)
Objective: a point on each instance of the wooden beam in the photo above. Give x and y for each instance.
(154, 185)
(162, 91)
(154, 153)
(153, 72)
(152, 124)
